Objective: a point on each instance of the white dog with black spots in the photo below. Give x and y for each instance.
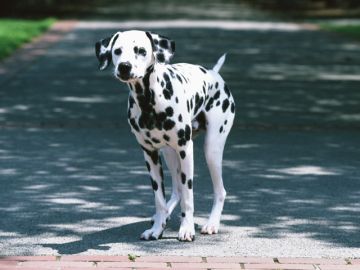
(167, 105)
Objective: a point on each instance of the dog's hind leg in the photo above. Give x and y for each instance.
(217, 130)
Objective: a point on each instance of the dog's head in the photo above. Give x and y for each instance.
(133, 52)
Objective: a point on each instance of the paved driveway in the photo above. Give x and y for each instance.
(73, 178)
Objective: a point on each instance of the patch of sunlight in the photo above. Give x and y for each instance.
(9, 234)
(3, 110)
(67, 201)
(329, 102)
(37, 187)
(138, 172)
(91, 188)
(338, 77)
(270, 176)
(91, 99)
(21, 107)
(350, 208)
(245, 146)
(305, 170)
(307, 201)
(229, 217)
(348, 117)
(8, 172)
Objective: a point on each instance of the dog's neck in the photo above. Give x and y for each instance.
(140, 91)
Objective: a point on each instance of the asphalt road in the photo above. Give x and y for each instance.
(73, 180)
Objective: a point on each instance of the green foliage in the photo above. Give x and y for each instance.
(15, 32)
(351, 30)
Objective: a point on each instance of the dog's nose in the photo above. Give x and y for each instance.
(124, 68)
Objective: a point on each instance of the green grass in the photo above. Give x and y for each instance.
(351, 30)
(13, 33)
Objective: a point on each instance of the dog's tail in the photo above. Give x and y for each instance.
(219, 63)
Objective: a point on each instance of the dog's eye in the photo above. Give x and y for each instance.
(142, 51)
(117, 51)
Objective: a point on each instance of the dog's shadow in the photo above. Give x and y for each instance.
(102, 240)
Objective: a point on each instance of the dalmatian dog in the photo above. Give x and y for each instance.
(168, 104)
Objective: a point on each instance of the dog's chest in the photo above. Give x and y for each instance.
(165, 103)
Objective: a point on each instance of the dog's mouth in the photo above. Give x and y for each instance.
(124, 76)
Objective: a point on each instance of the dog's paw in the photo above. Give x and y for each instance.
(152, 234)
(210, 228)
(186, 233)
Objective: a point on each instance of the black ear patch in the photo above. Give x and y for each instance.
(163, 47)
(103, 50)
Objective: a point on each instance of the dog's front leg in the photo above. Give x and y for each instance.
(153, 163)
(186, 157)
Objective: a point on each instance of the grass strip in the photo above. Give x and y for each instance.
(14, 33)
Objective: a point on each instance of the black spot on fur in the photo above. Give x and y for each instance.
(225, 122)
(218, 103)
(201, 119)
(203, 69)
(227, 91)
(148, 142)
(189, 183)
(221, 129)
(147, 133)
(167, 94)
(169, 124)
(187, 132)
(164, 44)
(136, 50)
(182, 142)
(209, 104)
(131, 100)
(198, 104)
(180, 118)
(163, 193)
(154, 184)
(182, 154)
(148, 166)
(181, 133)
(172, 74)
(188, 106)
(166, 137)
(160, 57)
(232, 107)
(169, 111)
(161, 173)
(179, 78)
(176, 100)
(216, 85)
(154, 155)
(155, 140)
(225, 105)
(183, 178)
(134, 124)
(217, 95)
(183, 214)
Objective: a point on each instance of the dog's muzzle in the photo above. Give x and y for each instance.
(124, 71)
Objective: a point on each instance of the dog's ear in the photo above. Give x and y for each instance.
(103, 50)
(163, 47)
